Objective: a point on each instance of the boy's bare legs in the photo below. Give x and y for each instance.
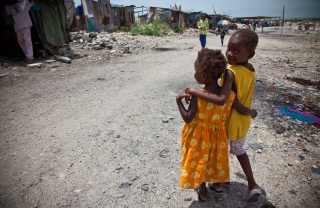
(254, 191)
(246, 167)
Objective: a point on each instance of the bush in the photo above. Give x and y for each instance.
(116, 28)
(136, 31)
(125, 29)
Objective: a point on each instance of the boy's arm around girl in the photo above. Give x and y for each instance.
(220, 98)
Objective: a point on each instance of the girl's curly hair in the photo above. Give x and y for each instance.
(212, 62)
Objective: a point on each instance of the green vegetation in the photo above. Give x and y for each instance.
(116, 28)
(125, 29)
(157, 28)
(177, 29)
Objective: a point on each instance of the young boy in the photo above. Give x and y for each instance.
(239, 77)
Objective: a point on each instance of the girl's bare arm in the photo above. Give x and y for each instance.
(187, 115)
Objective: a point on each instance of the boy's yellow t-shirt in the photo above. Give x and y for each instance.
(203, 25)
(238, 125)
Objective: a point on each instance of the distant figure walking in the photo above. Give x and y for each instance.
(222, 34)
(203, 25)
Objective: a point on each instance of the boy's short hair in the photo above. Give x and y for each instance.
(248, 37)
(212, 62)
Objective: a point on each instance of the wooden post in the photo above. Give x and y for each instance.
(81, 18)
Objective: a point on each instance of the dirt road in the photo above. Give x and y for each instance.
(107, 133)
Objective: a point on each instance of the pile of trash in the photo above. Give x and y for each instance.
(115, 44)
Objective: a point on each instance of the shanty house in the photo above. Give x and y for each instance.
(123, 15)
(173, 17)
(48, 33)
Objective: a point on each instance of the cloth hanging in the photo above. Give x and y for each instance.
(54, 21)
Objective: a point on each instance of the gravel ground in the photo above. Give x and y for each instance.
(104, 131)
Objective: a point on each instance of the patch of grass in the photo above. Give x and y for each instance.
(177, 29)
(116, 28)
(157, 28)
(125, 29)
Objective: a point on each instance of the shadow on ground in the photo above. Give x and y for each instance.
(232, 198)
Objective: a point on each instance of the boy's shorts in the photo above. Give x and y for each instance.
(237, 146)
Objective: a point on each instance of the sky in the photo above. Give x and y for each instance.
(236, 8)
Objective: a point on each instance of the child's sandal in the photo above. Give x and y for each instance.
(197, 190)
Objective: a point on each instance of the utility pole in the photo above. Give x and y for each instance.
(215, 17)
(282, 19)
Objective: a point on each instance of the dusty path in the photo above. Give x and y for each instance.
(108, 135)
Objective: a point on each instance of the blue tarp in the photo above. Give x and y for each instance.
(79, 8)
(191, 16)
(116, 5)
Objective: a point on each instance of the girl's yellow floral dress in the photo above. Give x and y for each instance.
(205, 145)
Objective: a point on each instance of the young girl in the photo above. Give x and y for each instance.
(239, 77)
(204, 142)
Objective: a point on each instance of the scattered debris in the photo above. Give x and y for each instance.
(125, 185)
(4, 74)
(255, 146)
(145, 187)
(63, 59)
(132, 177)
(163, 153)
(35, 65)
(315, 170)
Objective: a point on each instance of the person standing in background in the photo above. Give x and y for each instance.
(22, 25)
(203, 26)
(149, 16)
(222, 34)
(195, 23)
